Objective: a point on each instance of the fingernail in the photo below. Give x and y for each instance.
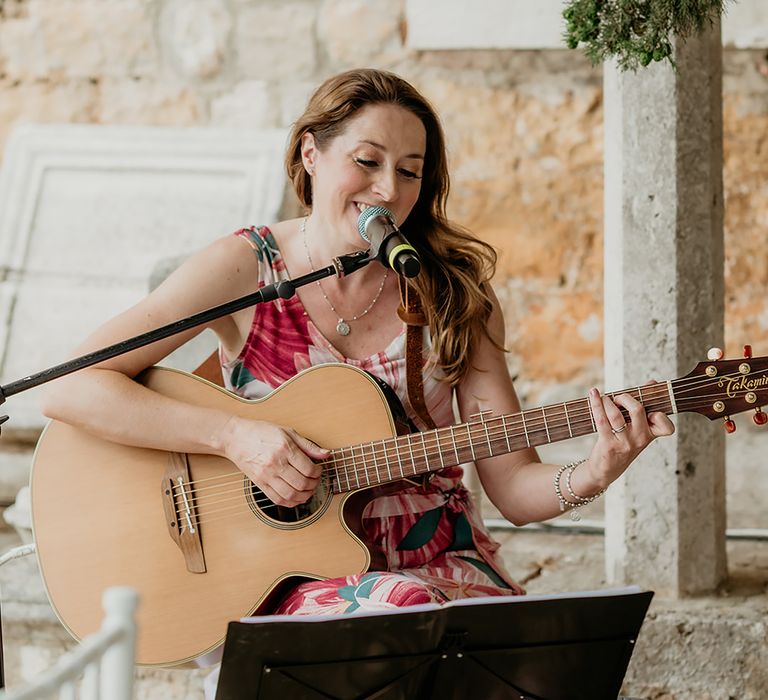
(594, 391)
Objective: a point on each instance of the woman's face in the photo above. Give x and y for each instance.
(377, 160)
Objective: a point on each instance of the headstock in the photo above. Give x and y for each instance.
(718, 388)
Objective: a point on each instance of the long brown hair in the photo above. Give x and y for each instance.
(457, 266)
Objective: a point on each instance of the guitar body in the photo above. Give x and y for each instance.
(99, 520)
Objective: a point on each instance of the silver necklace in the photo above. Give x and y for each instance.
(342, 325)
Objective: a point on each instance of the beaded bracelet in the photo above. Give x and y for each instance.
(578, 500)
(581, 499)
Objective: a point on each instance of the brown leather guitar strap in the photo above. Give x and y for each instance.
(411, 313)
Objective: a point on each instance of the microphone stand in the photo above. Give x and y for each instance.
(341, 266)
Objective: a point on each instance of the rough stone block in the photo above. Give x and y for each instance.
(250, 104)
(196, 37)
(67, 39)
(359, 33)
(150, 101)
(276, 41)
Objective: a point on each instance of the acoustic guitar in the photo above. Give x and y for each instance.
(203, 546)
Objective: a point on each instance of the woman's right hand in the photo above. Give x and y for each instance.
(277, 459)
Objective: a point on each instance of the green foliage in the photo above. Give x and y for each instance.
(635, 32)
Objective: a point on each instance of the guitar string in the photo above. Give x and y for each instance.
(531, 424)
(575, 414)
(333, 471)
(491, 434)
(661, 390)
(239, 505)
(267, 503)
(495, 432)
(422, 453)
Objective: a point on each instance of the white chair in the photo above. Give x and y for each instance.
(101, 666)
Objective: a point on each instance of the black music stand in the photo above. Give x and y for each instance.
(574, 647)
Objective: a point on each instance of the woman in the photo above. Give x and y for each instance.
(366, 138)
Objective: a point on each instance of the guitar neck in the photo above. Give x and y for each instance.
(406, 456)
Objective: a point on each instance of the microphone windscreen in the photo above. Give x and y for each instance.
(371, 213)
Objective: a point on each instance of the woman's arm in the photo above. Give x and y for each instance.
(106, 401)
(520, 486)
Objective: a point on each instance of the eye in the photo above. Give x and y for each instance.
(365, 163)
(409, 174)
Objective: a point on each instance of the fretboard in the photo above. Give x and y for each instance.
(487, 435)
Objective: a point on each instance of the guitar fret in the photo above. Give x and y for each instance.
(455, 449)
(525, 429)
(439, 449)
(591, 416)
(375, 466)
(469, 439)
(354, 465)
(567, 419)
(365, 464)
(640, 395)
(399, 461)
(346, 471)
(488, 439)
(672, 403)
(424, 449)
(546, 427)
(506, 432)
(386, 461)
(413, 459)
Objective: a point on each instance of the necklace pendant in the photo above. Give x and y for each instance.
(342, 327)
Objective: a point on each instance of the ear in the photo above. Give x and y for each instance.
(308, 152)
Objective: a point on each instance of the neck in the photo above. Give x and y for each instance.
(372, 276)
(325, 241)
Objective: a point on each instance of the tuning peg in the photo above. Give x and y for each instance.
(729, 425)
(760, 418)
(714, 354)
(747, 351)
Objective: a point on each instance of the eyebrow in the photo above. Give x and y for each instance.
(383, 148)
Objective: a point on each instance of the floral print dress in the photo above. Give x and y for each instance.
(430, 535)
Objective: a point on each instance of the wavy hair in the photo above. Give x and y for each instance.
(457, 266)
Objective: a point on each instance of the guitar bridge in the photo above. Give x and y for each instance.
(181, 513)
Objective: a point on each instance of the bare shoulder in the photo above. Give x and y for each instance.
(225, 268)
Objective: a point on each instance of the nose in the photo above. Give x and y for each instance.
(385, 184)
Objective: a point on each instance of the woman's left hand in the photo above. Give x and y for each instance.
(620, 441)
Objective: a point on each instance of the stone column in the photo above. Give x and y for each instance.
(665, 519)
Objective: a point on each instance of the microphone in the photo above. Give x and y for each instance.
(377, 226)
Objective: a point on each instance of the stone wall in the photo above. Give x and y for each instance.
(524, 128)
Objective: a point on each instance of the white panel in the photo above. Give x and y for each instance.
(485, 24)
(88, 212)
(522, 24)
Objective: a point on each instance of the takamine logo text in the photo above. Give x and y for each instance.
(743, 383)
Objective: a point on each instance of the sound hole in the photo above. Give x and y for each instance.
(289, 516)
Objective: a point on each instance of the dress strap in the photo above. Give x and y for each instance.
(253, 239)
